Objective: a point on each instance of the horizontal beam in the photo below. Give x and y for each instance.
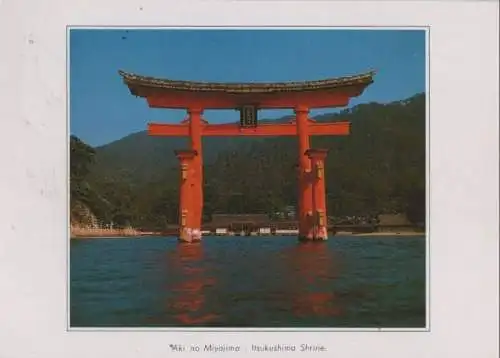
(262, 130)
(285, 100)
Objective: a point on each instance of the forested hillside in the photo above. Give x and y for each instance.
(379, 168)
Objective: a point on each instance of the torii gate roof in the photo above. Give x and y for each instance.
(167, 93)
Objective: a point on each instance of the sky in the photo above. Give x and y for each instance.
(102, 109)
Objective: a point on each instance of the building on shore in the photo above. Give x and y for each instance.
(263, 225)
(395, 223)
(249, 225)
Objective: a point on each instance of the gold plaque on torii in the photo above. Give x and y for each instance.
(248, 116)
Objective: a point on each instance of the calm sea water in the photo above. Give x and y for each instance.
(248, 282)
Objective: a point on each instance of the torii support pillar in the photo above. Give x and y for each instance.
(189, 228)
(304, 168)
(195, 129)
(320, 221)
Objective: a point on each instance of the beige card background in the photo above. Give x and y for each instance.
(463, 169)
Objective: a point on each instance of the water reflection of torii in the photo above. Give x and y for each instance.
(315, 268)
(188, 304)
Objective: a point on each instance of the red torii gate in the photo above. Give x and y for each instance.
(249, 98)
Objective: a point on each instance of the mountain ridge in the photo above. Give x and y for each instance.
(380, 167)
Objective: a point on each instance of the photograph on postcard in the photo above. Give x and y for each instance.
(248, 178)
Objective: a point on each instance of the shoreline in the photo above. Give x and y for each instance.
(124, 234)
(392, 234)
(117, 236)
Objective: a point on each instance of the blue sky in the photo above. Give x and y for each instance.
(103, 110)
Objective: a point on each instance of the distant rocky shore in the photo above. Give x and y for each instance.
(86, 232)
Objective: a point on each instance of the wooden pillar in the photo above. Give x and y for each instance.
(195, 127)
(304, 167)
(188, 229)
(320, 219)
